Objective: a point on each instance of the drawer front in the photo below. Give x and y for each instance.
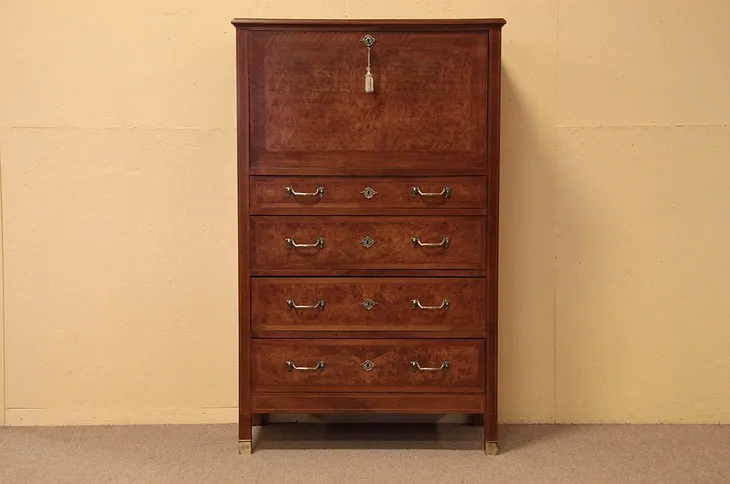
(368, 365)
(367, 304)
(407, 242)
(309, 110)
(296, 194)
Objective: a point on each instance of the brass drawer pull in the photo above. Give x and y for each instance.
(446, 192)
(291, 243)
(416, 242)
(292, 305)
(445, 366)
(417, 304)
(319, 191)
(290, 366)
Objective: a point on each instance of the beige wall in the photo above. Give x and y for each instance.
(2, 312)
(117, 152)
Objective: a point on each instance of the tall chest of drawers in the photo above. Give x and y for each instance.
(368, 190)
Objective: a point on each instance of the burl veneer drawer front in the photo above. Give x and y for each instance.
(368, 304)
(325, 194)
(310, 112)
(368, 365)
(363, 242)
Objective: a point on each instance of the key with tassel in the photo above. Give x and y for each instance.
(369, 40)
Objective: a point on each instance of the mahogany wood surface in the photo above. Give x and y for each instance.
(493, 110)
(343, 360)
(392, 247)
(244, 279)
(367, 304)
(371, 24)
(309, 109)
(332, 402)
(388, 167)
(269, 195)
(381, 272)
(304, 121)
(370, 334)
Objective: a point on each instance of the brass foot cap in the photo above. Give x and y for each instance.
(491, 448)
(244, 447)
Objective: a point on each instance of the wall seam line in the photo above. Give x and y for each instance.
(120, 128)
(122, 408)
(647, 125)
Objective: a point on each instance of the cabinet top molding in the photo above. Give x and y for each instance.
(448, 24)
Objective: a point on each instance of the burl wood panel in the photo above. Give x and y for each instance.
(346, 305)
(419, 403)
(343, 370)
(269, 194)
(309, 107)
(392, 247)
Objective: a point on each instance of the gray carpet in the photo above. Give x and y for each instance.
(367, 454)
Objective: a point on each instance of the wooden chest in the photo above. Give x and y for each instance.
(368, 199)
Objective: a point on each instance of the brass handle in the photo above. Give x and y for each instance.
(319, 191)
(416, 241)
(292, 305)
(445, 366)
(417, 304)
(291, 243)
(446, 192)
(290, 366)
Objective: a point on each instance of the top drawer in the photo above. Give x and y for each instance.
(321, 195)
(310, 112)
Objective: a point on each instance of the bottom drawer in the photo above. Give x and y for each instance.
(358, 365)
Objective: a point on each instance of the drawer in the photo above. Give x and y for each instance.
(309, 112)
(368, 304)
(363, 242)
(321, 194)
(368, 365)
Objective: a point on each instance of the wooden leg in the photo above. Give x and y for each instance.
(491, 446)
(245, 433)
(257, 419)
(477, 420)
(244, 447)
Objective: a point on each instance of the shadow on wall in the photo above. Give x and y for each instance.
(527, 248)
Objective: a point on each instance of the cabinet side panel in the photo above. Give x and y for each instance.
(244, 291)
(493, 159)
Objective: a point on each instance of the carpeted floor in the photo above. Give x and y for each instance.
(367, 454)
